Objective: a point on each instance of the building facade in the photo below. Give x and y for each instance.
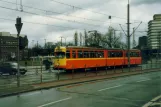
(142, 42)
(8, 47)
(154, 32)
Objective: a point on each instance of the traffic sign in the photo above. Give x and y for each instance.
(18, 25)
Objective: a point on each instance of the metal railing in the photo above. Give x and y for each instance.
(38, 74)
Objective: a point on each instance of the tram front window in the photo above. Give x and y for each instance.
(59, 54)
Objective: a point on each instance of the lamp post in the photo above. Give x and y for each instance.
(45, 43)
(63, 38)
(128, 33)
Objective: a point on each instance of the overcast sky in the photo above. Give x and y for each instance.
(48, 19)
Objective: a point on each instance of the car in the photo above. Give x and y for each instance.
(11, 68)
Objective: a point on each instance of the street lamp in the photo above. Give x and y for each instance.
(65, 40)
(33, 43)
(45, 43)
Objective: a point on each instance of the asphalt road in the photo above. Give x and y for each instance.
(132, 91)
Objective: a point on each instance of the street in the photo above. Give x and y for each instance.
(131, 91)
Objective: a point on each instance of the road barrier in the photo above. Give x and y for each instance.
(72, 71)
(85, 70)
(58, 72)
(114, 66)
(41, 74)
(106, 69)
(96, 69)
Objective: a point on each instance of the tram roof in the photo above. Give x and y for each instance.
(82, 47)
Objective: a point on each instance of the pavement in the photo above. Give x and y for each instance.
(127, 91)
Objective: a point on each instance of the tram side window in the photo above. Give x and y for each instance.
(86, 54)
(80, 54)
(67, 54)
(127, 54)
(111, 54)
(115, 54)
(92, 54)
(73, 54)
(133, 54)
(137, 54)
(100, 54)
(120, 54)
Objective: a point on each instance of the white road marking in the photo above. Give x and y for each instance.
(151, 102)
(143, 80)
(110, 87)
(44, 105)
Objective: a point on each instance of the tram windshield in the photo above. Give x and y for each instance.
(59, 54)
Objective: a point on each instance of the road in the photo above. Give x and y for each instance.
(132, 91)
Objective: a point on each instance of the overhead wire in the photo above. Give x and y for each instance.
(41, 23)
(51, 17)
(57, 12)
(89, 10)
(51, 24)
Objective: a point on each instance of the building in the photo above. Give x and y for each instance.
(154, 32)
(8, 47)
(142, 42)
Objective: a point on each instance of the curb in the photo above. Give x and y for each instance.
(85, 81)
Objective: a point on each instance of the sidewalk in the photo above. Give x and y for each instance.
(58, 83)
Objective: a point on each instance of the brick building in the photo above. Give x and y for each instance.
(8, 47)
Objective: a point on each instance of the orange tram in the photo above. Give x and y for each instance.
(74, 57)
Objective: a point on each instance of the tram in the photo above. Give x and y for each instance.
(75, 57)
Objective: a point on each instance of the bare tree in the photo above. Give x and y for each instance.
(85, 37)
(94, 39)
(70, 44)
(80, 38)
(111, 40)
(76, 38)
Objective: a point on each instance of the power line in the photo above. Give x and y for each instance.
(88, 10)
(55, 12)
(46, 24)
(69, 15)
(64, 27)
(41, 24)
(53, 17)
